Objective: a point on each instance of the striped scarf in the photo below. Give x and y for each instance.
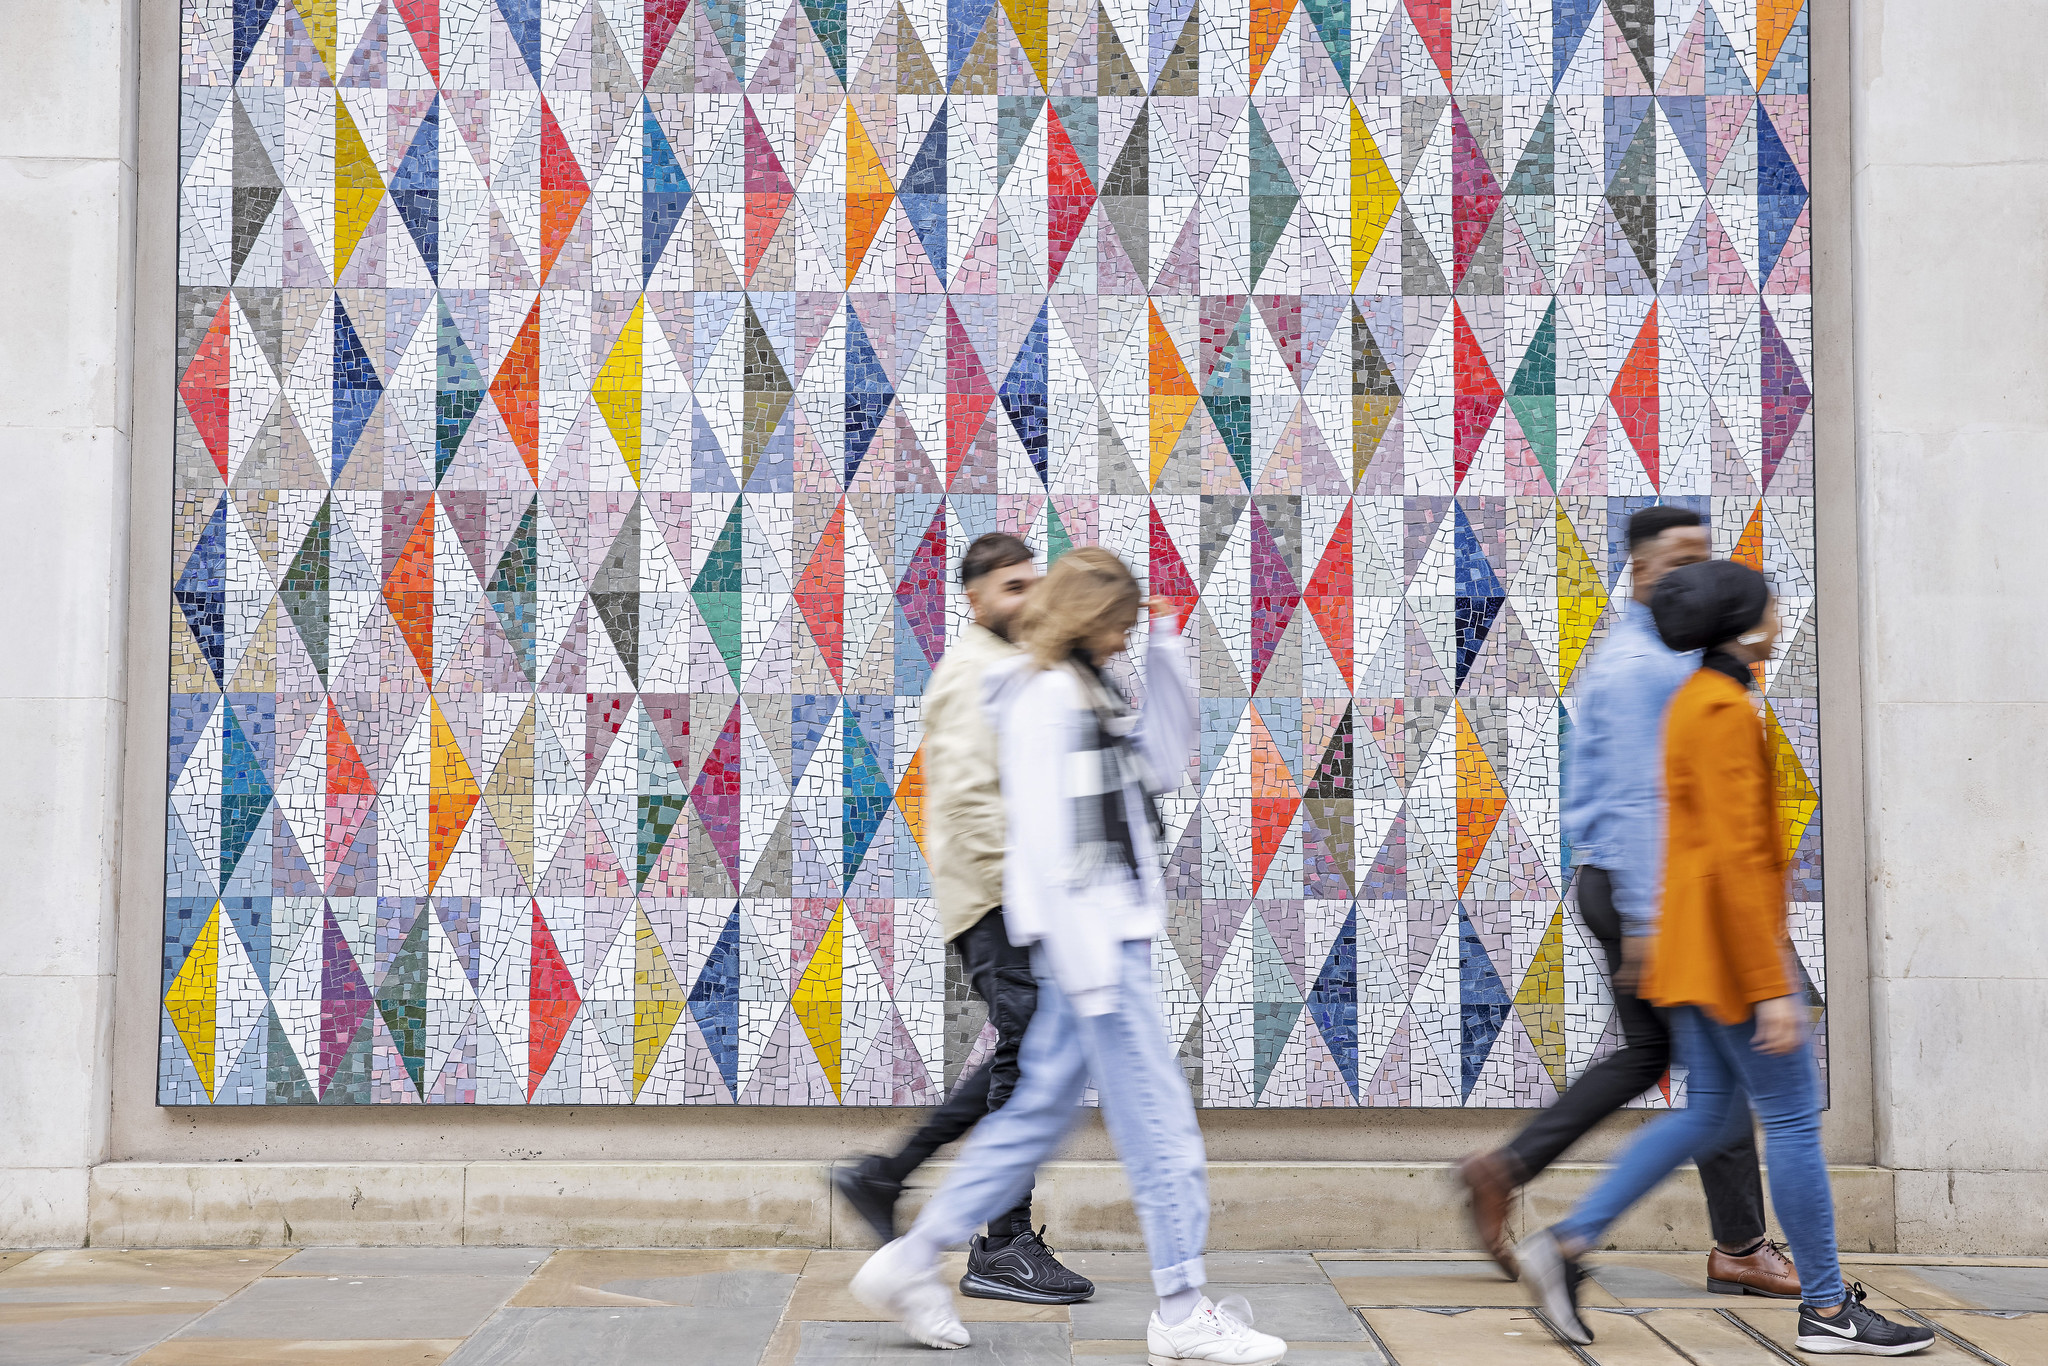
(1099, 769)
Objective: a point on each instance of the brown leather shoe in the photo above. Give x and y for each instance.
(1767, 1272)
(1490, 1180)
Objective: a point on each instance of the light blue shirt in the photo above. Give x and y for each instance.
(1613, 809)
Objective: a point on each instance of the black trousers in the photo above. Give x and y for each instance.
(1000, 974)
(1734, 1188)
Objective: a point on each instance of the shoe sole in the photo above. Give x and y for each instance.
(1744, 1288)
(1821, 1346)
(1161, 1359)
(848, 1185)
(981, 1288)
(927, 1340)
(881, 1304)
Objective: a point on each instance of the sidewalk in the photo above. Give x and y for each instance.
(475, 1306)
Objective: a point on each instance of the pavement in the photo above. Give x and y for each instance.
(496, 1306)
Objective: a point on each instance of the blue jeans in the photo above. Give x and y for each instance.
(1725, 1077)
(1144, 1098)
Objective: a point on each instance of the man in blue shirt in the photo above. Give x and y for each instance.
(1613, 815)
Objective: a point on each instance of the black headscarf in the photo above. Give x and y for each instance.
(1704, 606)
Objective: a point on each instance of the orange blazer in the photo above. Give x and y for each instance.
(1721, 939)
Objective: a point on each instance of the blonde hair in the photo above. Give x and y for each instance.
(1087, 591)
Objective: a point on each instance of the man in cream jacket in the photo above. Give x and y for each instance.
(964, 838)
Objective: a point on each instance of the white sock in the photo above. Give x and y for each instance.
(1176, 1307)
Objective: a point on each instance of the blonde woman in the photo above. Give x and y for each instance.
(1081, 885)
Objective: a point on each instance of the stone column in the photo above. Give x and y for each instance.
(1951, 298)
(67, 177)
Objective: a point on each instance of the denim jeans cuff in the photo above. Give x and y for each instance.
(1566, 1232)
(1189, 1275)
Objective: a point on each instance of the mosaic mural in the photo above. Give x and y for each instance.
(583, 405)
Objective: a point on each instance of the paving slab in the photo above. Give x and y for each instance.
(1298, 1354)
(413, 1261)
(294, 1351)
(1989, 1287)
(713, 1290)
(1471, 1284)
(68, 1334)
(775, 1307)
(2018, 1340)
(1637, 1284)
(1121, 1309)
(1700, 1334)
(1237, 1268)
(1494, 1337)
(1485, 1273)
(1382, 1255)
(875, 1344)
(594, 1278)
(88, 1275)
(364, 1307)
(1905, 1285)
(1670, 1279)
(607, 1337)
(1863, 1259)
(1622, 1339)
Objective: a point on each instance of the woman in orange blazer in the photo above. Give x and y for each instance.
(1723, 968)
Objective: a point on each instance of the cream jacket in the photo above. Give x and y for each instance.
(963, 824)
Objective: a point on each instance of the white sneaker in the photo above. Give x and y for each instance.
(1214, 1335)
(891, 1283)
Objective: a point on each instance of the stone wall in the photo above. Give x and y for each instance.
(67, 202)
(1951, 279)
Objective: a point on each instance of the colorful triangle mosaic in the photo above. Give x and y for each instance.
(582, 404)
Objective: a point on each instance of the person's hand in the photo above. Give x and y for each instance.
(1777, 1025)
(1635, 952)
(1159, 606)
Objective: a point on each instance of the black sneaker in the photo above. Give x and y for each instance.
(872, 1195)
(1859, 1331)
(1554, 1278)
(1022, 1269)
